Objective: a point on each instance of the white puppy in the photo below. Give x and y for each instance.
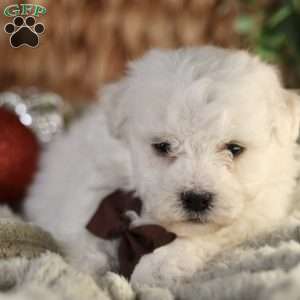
(207, 139)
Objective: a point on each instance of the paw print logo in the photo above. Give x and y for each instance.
(24, 32)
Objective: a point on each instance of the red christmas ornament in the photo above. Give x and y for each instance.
(19, 152)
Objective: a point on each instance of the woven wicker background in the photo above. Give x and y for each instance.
(87, 42)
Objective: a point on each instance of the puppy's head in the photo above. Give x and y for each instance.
(211, 134)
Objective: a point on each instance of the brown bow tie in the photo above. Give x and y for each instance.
(109, 221)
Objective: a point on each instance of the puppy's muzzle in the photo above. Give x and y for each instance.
(197, 202)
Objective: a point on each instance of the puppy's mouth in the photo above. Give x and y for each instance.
(193, 225)
(199, 218)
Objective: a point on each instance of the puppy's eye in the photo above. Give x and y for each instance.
(235, 149)
(162, 148)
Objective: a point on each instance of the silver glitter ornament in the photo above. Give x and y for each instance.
(45, 113)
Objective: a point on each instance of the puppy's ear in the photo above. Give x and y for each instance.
(113, 101)
(289, 116)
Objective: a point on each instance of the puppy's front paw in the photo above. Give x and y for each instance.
(88, 255)
(167, 266)
(94, 263)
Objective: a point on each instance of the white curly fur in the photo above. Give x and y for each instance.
(198, 100)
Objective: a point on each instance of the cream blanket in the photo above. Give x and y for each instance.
(32, 267)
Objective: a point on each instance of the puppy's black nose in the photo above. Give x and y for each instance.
(196, 202)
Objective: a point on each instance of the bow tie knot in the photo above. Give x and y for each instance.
(112, 220)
